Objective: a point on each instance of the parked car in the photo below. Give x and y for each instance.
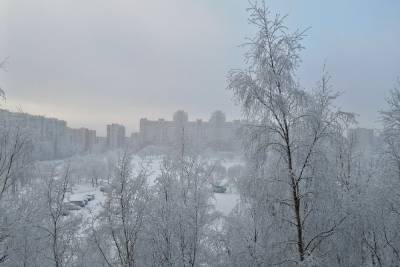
(219, 189)
(106, 189)
(68, 207)
(90, 197)
(65, 212)
(80, 203)
(71, 206)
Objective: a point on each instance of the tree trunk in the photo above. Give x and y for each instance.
(297, 204)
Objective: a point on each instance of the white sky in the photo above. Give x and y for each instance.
(93, 62)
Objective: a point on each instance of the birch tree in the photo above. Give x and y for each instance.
(14, 157)
(13, 152)
(295, 124)
(59, 230)
(182, 211)
(391, 124)
(122, 222)
(164, 217)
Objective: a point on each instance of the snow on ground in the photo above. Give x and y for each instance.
(150, 163)
(93, 207)
(233, 162)
(225, 203)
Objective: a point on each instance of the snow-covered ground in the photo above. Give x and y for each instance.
(151, 164)
(80, 192)
(223, 202)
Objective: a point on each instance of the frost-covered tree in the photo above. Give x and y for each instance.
(164, 217)
(59, 230)
(25, 245)
(40, 232)
(385, 235)
(121, 224)
(391, 123)
(248, 232)
(14, 158)
(291, 126)
(182, 212)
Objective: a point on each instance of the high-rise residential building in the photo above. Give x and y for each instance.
(51, 138)
(216, 133)
(362, 138)
(115, 136)
(83, 139)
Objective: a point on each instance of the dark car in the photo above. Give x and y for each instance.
(71, 206)
(68, 207)
(106, 189)
(219, 189)
(80, 203)
(89, 197)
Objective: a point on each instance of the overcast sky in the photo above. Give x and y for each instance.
(93, 62)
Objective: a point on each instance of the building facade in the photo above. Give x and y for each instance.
(115, 136)
(362, 139)
(84, 139)
(50, 137)
(216, 133)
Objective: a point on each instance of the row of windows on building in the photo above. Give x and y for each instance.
(53, 138)
(59, 140)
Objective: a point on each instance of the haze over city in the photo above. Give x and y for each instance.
(97, 62)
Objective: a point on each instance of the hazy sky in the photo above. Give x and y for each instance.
(93, 62)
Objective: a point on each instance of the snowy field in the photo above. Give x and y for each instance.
(223, 202)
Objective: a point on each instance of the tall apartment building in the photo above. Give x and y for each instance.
(48, 135)
(216, 133)
(83, 139)
(41, 127)
(115, 136)
(362, 138)
(51, 138)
